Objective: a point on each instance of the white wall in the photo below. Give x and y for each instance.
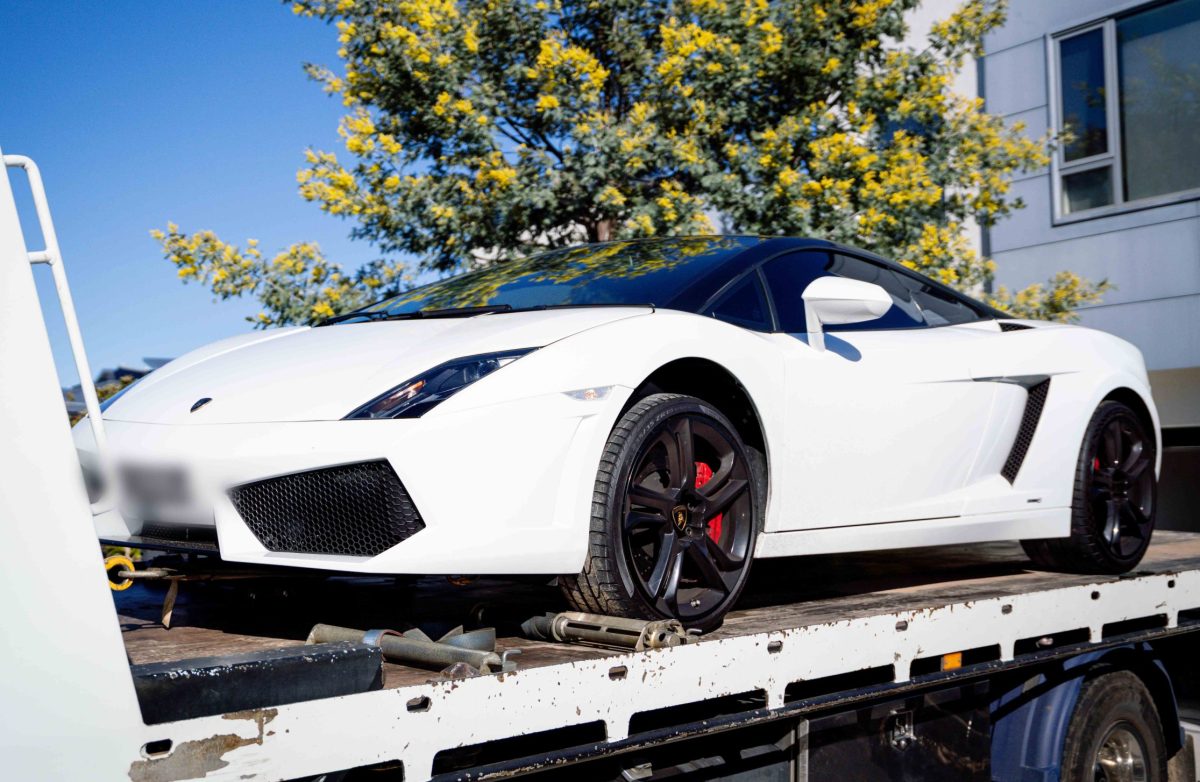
(920, 20)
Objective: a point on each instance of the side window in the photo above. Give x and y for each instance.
(916, 303)
(904, 313)
(787, 277)
(744, 305)
(938, 306)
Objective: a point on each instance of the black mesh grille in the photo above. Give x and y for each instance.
(1034, 402)
(179, 532)
(356, 509)
(1014, 327)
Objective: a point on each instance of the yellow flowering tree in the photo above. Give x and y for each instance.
(297, 285)
(487, 128)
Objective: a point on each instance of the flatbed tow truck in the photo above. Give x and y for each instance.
(955, 663)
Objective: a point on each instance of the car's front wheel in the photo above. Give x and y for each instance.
(674, 516)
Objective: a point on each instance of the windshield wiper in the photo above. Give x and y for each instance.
(351, 315)
(467, 312)
(444, 312)
(581, 305)
(464, 312)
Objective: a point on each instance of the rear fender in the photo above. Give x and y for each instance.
(1030, 720)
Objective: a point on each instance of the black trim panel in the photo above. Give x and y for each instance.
(201, 687)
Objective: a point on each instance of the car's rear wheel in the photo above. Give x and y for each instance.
(674, 516)
(1112, 512)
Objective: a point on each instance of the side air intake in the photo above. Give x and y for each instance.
(1034, 402)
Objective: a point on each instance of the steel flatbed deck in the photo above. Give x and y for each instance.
(247, 616)
(812, 632)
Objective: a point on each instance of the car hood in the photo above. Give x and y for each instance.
(321, 374)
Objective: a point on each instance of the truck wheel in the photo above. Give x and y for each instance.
(1112, 510)
(674, 516)
(1115, 734)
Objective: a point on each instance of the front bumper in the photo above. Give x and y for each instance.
(501, 489)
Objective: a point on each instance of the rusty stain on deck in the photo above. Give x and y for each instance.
(194, 759)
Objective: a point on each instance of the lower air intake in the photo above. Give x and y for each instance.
(355, 509)
(1034, 402)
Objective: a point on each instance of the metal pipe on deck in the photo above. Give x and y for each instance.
(636, 634)
(412, 649)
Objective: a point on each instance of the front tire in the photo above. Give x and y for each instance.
(675, 515)
(1112, 511)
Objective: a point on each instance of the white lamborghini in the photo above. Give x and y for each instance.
(643, 420)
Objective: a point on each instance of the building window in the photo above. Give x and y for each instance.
(1128, 105)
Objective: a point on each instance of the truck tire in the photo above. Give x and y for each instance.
(675, 514)
(1113, 506)
(1115, 734)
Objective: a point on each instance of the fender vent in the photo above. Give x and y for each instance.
(1034, 402)
(356, 509)
(1013, 326)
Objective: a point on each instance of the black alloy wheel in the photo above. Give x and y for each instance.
(1121, 489)
(1112, 510)
(679, 516)
(687, 517)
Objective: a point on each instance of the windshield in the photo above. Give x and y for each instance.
(633, 272)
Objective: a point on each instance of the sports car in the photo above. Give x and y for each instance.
(642, 420)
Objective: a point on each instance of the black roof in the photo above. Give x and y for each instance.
(682, 273)
(764, 248)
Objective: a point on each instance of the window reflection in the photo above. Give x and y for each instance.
(1159, 61)
(1084, 111)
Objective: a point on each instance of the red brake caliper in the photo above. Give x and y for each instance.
(704, 474)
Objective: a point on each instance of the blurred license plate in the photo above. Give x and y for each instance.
(153, 486)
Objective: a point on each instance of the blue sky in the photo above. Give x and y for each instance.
(144, 112)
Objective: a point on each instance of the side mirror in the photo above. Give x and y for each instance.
(831, 301)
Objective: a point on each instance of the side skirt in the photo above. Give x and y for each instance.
(1040, 523)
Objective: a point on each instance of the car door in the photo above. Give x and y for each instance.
(884, 424)
(1002, 362)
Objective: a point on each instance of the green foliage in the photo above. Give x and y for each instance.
(103, 391)
(1053, 301)
(298, 285)
(480, 129)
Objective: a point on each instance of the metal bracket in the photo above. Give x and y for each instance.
(507, 665)
(901, 729)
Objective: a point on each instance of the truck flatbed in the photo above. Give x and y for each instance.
(811, 632)
(248, 616)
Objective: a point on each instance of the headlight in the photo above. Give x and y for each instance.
(415, 397)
